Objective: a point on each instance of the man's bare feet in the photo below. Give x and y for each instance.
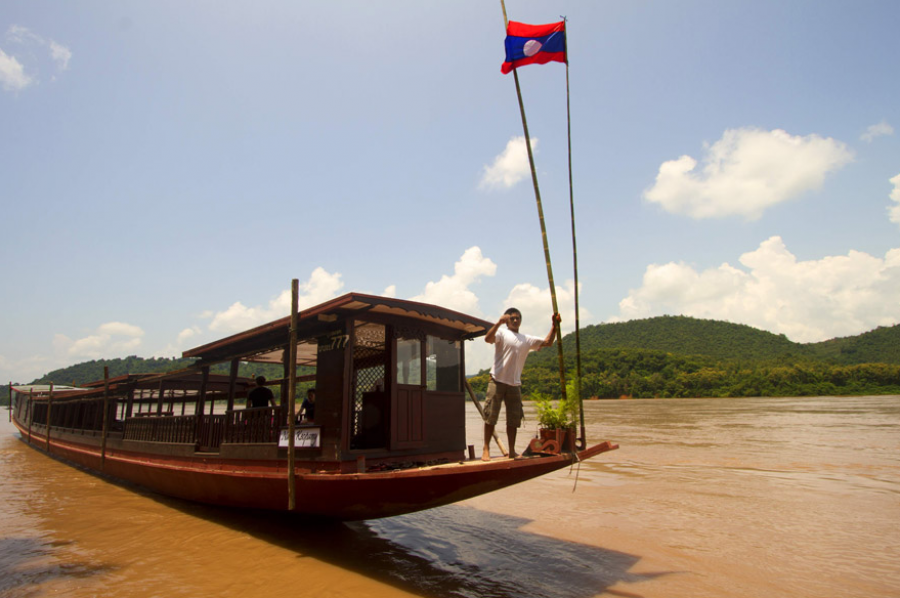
(486, 456)
(513, 454)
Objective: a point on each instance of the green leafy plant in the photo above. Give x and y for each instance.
(550, 416)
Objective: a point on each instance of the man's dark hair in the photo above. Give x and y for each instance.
(260, 380)
(511, 311)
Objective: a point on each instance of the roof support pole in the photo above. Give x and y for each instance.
(232, 382)
(29, 413)
(49, 406)
(159, 401)
(105, 417)
(292, 393)
(129, 406)
(201, 405)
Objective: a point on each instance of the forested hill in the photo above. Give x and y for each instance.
(881, 345)
(724, 341)
(653, 357)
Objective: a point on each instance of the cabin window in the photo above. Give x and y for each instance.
(409, 361)
(443, 362)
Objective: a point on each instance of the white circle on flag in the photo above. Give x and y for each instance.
(532, 47)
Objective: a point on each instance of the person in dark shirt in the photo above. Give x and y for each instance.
(261, 396)
(308, 406)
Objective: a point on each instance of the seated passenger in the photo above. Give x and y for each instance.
(261, 396)
(308, 406)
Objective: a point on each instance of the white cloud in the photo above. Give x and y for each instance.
(745, 172)
(12, 73)
(320, 287)
(186, 339)
(113, 339)
(808, 301)
(453, 291)
(390, 291)
(187, 334)
(60, 54)
(510, 167)
(38, 50)
(879, 130)
(894, 211)
(536, 306)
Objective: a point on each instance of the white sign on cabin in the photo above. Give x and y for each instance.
(304, 437)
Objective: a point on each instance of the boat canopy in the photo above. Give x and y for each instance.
(187, 381)
(265, 344)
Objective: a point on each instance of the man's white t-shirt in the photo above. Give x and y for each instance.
(510, 352)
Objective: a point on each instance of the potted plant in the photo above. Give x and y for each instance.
(557, 422)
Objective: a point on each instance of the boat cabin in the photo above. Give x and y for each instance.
(389, 376)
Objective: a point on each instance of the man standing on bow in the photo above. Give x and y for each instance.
(511, 348)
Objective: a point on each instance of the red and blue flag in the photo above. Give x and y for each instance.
(534, 44)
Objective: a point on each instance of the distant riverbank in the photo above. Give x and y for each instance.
(654, 374)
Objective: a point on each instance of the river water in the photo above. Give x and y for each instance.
(787, 497)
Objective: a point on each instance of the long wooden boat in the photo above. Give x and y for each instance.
(388, 438)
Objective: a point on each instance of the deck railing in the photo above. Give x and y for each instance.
(212, 430)
(181, 428)
(259, 425)
(256, 425)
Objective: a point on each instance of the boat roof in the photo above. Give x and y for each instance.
(42, 388)
(188, 380)
(266, 343)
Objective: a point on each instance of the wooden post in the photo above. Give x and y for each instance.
(159, 399)
(49, 406)
(232, 382)
(105, 417)
(292, 394)
(201, 405)
(29, 412)
(481, 411)
(129, 406)
(540, 209)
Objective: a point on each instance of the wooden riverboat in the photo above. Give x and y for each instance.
(388, 438)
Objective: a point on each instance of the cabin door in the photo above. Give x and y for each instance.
(371, 408)
(408, 421)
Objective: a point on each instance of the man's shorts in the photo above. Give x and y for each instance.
(499, 393)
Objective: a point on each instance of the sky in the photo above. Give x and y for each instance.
(168, 167)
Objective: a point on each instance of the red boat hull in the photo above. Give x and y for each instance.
(341, 496)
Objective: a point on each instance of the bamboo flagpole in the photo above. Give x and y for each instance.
(540, 209)
(583, 439)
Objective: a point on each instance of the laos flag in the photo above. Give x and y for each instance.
(534, 44)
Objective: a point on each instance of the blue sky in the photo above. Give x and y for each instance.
(167, 168)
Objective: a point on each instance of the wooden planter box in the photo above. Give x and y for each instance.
(564, 437)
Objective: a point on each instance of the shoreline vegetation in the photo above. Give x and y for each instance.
(662, 357)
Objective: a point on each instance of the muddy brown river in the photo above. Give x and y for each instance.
(787, 497)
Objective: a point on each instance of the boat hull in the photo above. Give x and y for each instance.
(340, 496)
